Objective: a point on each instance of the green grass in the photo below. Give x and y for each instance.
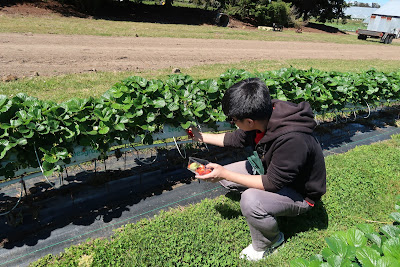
(61, 88)
(55, 24)
(361, 185)
(350, 25)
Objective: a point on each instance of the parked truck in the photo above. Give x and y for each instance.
(384, 23)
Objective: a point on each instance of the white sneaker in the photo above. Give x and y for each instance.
(251, 254)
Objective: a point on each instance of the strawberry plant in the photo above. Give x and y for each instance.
(361, 246)
(137, 108)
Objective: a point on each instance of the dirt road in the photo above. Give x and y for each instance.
(48, 55)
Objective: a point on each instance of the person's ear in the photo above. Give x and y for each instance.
(250, 122)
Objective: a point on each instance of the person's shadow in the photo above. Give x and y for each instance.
(316, 218)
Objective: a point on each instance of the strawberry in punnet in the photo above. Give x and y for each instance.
(201, 170)
(193, 166)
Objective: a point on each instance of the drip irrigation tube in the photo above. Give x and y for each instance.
(19, 199)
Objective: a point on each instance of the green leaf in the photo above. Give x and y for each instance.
(50, 158)
(35, 113)
(390, 230)
(74, 105)
(173, 106)
(5, 126)
(186, 125)
(104, 130)
(117, 92)
(116, 106)
(139, 113)
(391, 247)
(170, 115)
(151, 128)
(98, 113)
(22, 115)
(366, 228)
(4, 147)
(5, 107)
(142, 82)
(356, 238)
(375, 238)
(60, 152)
(152, 87)
(4, 133)
(269, 82)
(159, 103)
(47, 166)
(119, 127)
(197, 114)
(327, 252)
(299, 262)
(281, 96)
(167, 94)
(317, 257)
(123, 119)
(200, 106)
(387, 261)
(22, 142)
(15, 123)
(70, 135)
(395, 216)
(367, 256)
(335, 260)
(150, 117)
(3, 100)
(53, 124)
(338, 246)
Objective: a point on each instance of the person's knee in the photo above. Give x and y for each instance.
(248, 202)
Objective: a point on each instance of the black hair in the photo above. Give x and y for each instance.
(249, 98)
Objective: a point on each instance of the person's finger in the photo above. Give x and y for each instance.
(212, 165)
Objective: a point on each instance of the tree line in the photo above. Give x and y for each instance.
(360, 4)
(258, 12)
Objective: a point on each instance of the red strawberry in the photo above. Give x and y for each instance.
(190, 133)
(201, 170)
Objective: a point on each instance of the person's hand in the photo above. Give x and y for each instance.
(195, 134)
(215, 175)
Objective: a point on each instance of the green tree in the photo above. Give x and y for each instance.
(322, 10)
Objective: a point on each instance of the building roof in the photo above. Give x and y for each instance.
(356, 12)
(392, 8)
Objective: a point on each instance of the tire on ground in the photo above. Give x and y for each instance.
(222, 20)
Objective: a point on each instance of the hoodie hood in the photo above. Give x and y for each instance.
(289, 117)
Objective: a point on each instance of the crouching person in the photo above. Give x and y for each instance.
(286, 175)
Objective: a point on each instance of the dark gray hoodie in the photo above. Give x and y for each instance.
(290, 153)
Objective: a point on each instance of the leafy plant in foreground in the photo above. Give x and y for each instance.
(361, 246)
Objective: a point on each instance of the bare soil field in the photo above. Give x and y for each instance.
(49, 55)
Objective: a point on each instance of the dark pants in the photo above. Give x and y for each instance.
(262, 207)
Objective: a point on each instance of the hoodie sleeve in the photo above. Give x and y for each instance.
(289, 156)
(239, 139)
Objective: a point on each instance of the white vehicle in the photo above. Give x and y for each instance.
(384, 23)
